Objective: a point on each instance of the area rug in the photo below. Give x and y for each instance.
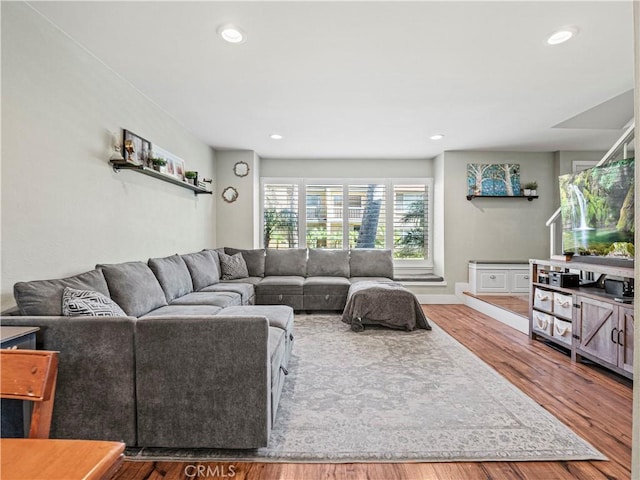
(385, 395)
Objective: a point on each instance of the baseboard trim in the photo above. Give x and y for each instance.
(510, 319)
(439, 299)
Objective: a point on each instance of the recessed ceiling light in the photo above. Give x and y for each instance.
(437, 136)
(276, 136)
(562, 35)
(231, 33)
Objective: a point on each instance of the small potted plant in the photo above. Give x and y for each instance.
(530, 189)
(191, 176)
(159, 164)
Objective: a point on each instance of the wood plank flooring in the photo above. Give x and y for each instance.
(515, 303)
(593, 402)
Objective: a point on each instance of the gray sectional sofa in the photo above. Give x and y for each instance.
(312, 279)
(196, 359)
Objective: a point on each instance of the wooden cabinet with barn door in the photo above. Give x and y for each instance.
(605, 333)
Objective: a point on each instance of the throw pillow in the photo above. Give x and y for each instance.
(233, 266)
(87, 302)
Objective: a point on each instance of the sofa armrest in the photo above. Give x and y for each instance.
(203, 381)
(95, 393)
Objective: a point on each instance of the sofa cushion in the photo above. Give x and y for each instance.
(370, 279)
(280, 285)
(233, 266)
(203, 267)
(218, 299)
(246, 290)
(44, 297)
(288, 261)
(173, 275)
(280, 316)
(183, 311)
(326, 286)
(89, 302)
(364, 262)
(255, 260)
(328, 263)
(134, 287)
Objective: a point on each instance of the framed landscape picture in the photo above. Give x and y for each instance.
(493, 179)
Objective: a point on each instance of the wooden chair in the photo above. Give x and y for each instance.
(31, 375)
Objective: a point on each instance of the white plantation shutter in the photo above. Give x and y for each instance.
(366, 215)
(324, 218)
(410, 207)
(347, 214)
(280, 215)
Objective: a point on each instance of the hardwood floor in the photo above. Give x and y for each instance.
(515, 303)
(593, 402)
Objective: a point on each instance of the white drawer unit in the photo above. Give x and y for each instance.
(520, 281)
(493, 281)
(562, 305)
(498, 278)
(562, 330)
(543, 322)
(543, 299)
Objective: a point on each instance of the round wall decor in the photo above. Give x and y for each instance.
(229, 194)
(241, 169)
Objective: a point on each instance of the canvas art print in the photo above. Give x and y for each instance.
(493, 179)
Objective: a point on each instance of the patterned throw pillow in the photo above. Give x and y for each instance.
(87, 302)
(233, 266)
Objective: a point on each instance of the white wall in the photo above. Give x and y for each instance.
(63, 208)
(495, 228)
(237, 224)
(346, 168)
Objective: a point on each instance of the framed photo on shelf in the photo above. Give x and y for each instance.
(135, 149)
(175, 165)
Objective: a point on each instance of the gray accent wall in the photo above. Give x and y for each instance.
(237, 224)
(494, 228)
(63, 208)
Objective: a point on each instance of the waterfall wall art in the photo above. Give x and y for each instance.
(493, 179)
(597, 210)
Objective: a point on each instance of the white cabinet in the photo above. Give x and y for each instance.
(498, 278)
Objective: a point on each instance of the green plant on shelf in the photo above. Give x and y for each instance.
(190, 174)
(158, 162)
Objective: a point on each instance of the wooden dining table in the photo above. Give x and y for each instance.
(52, 459)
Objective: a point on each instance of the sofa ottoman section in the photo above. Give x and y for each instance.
(281, 290)
(203, 383)
(325, 293)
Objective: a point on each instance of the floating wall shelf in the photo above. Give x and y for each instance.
(528, 197)
(124, 165)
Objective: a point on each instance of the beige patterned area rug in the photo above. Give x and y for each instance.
(392, 396)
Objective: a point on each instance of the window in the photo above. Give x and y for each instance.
(341, 213)
(324, 216)
(280, 226)
(410, 204)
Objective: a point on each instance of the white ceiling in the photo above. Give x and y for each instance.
(370, 79)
